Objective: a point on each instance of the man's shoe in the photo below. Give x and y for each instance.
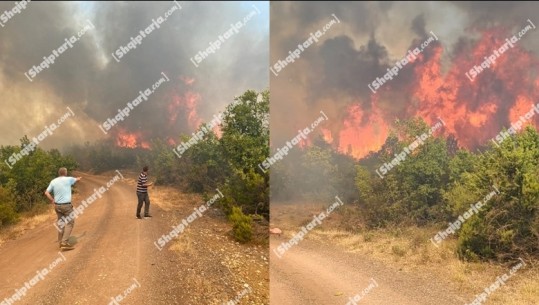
(147, 215)
(138, 217)
(66, 246)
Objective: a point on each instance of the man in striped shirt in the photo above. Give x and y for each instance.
(142, 193)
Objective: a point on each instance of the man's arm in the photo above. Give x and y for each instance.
(75, 180)
(144, 181)
(49, 196)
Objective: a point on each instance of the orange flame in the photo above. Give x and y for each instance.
(358, 139)
(473, 111)
(326, 135)
(185, 103)
(130, 140)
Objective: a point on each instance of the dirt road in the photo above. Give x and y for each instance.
(115, 256)
(311, 273)
(322, 273)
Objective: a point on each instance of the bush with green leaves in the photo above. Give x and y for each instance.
(507, 226)
(228, 162)
(411, 193)
(22, 186)
(8, 215)
(434, 186)
(242, 228)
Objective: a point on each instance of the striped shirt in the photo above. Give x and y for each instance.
(142, 179)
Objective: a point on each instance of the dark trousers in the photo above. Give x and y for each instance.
(143, 198)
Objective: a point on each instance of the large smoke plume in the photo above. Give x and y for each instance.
(88, 80)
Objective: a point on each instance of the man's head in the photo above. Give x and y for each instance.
(62, 171)
(145, 169)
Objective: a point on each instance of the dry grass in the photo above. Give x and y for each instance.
(410, 249)
(28, 222)
(184, 244)
(168, 198)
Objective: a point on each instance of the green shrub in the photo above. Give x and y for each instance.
(241, 225)
(8, 215)
(472, 242)
(506, 227)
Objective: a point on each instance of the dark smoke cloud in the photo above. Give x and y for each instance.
(333, 73)
(418, 26)
(88, 80)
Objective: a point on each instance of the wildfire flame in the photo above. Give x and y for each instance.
(357, 139)
(182, 106)
(326, 135)
(130, 139)
(184, 103)
(473, 111)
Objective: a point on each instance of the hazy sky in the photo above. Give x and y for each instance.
(94, 85)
